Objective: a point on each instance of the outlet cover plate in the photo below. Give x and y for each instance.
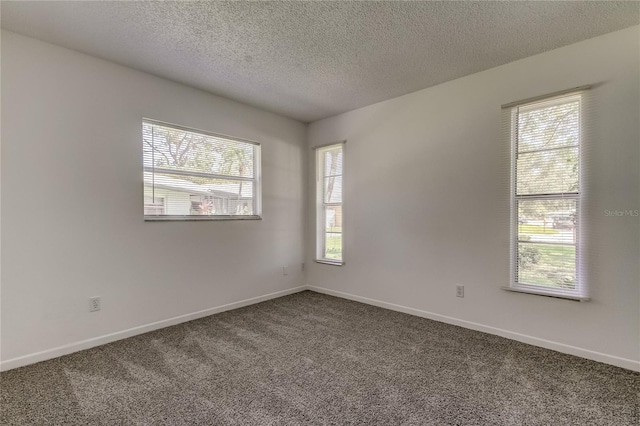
(95, 304)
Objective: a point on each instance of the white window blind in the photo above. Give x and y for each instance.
(546, 195)
(194, 175)
(329, 214)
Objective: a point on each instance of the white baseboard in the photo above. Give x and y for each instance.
(112, 337)
(629, 364)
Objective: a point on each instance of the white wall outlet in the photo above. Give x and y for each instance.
(459, 291)
(285, 270)
(302, 266)
(95, 303)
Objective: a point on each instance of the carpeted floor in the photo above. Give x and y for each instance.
(315, 359)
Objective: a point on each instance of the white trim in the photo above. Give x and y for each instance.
(166, 124)
(329, 262)
(548, 96)
(329, 144)
(629, 364)
(540, 291)
(112, 337)
(178, 218)
(119, 335)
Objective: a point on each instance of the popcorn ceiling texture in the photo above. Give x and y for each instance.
(310, 60)
(312, 359)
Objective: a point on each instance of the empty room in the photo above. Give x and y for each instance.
(320, 213)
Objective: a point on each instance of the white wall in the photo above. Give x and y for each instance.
(72, 215)
(71, 127)
(426, 206)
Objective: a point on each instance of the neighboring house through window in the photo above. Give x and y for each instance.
(153, 206)
(190, 174)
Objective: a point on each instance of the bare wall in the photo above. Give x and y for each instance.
(426, 205)
(72, 224)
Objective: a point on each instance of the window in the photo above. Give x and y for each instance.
(546, 196)
(193, 175)
(329, 214)
(153, 206)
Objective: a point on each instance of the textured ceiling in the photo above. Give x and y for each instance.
(310, 60)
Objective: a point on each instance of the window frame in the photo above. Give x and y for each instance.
(256, 180)
(580, 292)
(321, 204)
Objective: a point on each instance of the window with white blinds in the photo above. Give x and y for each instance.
(546, 246)
(329, 214)
(193, 175)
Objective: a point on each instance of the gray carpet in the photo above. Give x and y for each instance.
(314, 359)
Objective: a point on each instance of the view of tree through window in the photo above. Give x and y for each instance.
(189, 173)
(329, 163)
(546, 193)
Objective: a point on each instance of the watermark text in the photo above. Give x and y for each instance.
(621, 213)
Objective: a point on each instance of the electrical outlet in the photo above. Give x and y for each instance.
(302, 266)
(459, 291)
(285, 270)
(95, 304)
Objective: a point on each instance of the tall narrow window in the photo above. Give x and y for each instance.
(329, 164)
(546, 196)
(192, 175)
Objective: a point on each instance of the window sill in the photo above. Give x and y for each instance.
(198, 218)
(330, 262)
(542, 292)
